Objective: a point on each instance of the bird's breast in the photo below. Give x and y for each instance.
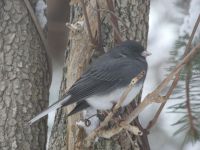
(106, 101)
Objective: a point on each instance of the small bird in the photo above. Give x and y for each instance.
(105, 80)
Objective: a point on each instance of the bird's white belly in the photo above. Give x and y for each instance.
(105, 102)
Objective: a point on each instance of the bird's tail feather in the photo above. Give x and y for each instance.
(55, 106)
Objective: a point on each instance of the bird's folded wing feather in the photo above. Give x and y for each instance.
(104, 78)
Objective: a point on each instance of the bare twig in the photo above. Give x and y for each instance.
(38, 27)
(144, 138)
(187, 92)
(187, 78)
(133, 129)
(130, 138)
(112, 13)
(114, 22)
(108, 134)
(153, 121)
(117, 35)
(115, 130)
(41, 34)
(99, 26)
(133, 82)
(87, 22)
(192, 36)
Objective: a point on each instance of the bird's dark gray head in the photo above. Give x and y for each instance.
(132, 48)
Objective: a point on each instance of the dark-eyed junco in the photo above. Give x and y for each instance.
(104, 82)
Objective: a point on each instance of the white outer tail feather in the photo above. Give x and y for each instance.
(55, 106)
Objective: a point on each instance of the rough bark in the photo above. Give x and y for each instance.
(134, 14)
(24, 79)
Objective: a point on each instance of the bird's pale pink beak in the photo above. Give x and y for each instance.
(146, 53)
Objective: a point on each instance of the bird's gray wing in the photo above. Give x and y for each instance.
(102, 78)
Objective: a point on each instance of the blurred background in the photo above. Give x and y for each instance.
(170, 24)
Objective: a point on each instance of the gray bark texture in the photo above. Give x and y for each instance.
(24, 79)
(134, 16)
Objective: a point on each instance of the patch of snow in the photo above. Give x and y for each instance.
(40, 12)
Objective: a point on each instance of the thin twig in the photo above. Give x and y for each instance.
(118, 18)
(99, 28)
(109, 133)
(38, 27)
(116, 33)
(87, 22)
(113, 14)
(192, 35)
(187, 78)
(133, 82)
(114, 22)
(99, 24)
(144, 138)
(115, 130)
(130, 138)
(133, 129)
(41, 34)
(154, 120)
(187, 92)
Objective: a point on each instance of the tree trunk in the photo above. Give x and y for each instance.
(24, 79)
(132, 13)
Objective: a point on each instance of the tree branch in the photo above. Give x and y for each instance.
(187, 93)
(116, 18)
(99, 27)
(192, 36)
(39, 29)
(37, 25)
(114, 22)
(154, 120)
